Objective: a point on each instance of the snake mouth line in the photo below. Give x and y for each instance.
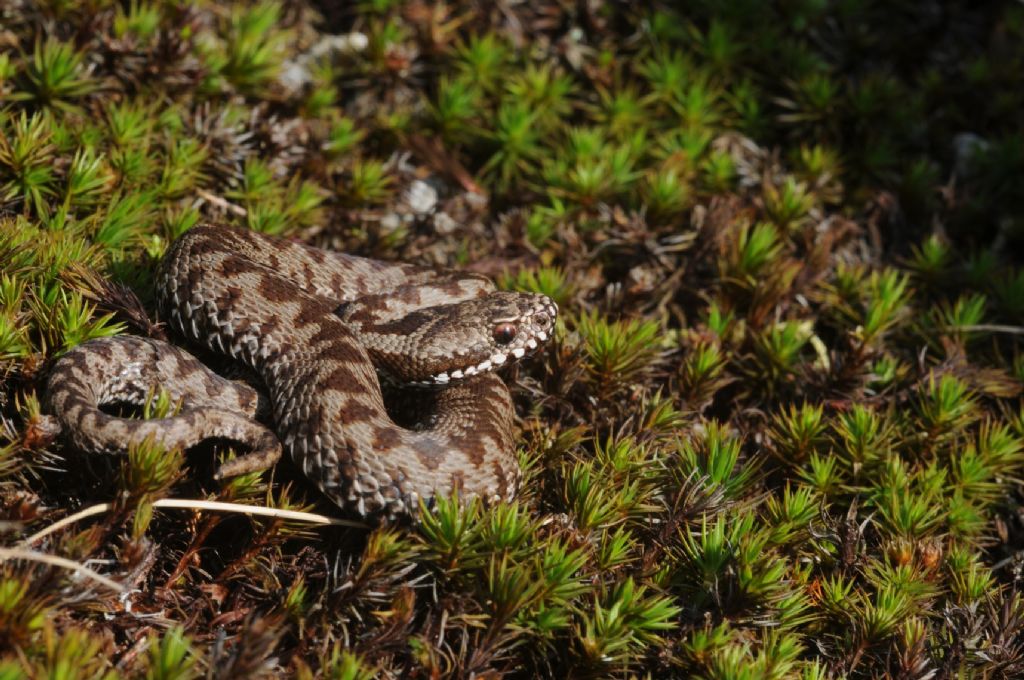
(495, 360)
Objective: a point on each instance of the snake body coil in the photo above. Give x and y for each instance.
(317, 327)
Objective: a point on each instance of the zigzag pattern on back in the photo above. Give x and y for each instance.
(317, 326)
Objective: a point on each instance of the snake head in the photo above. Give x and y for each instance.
(511, 326)
(446, 343)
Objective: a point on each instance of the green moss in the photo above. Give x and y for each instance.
(779, 432)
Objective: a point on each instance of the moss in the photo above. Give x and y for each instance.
(779, 432)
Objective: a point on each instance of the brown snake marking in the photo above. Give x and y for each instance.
(314, 325)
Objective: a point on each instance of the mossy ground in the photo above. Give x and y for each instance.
(779, 433)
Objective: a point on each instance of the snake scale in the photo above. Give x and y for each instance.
(319, 327)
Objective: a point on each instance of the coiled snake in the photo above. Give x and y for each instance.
(317, 326)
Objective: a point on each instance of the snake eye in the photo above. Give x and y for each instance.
(504, 333)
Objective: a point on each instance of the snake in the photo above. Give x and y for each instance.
(326, 334)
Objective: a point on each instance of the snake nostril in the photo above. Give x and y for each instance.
(542, 320)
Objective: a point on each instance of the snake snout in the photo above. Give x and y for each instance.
(542, 319)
